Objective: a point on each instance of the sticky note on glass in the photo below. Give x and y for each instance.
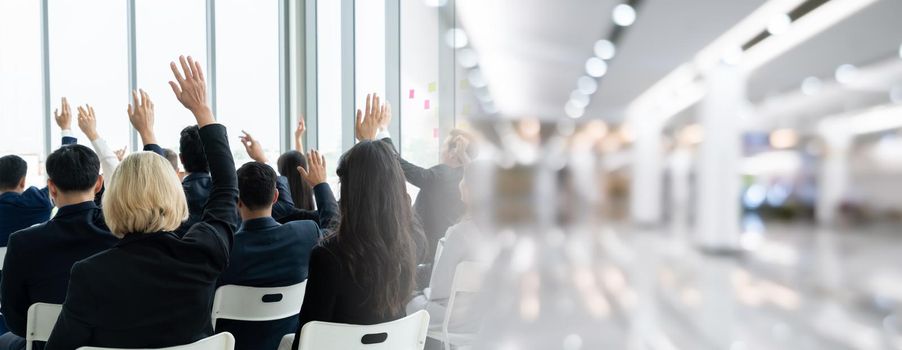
(435, 133)
(433, 87)
(464, 84)
(411, 94)
(426, 104)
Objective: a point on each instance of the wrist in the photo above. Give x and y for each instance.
(92, 136)
(147, 137)
(203, 115)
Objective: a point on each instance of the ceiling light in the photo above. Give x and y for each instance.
(596, 67)
(456, 38)
(586, 85)
(573, 111)
(732, 55)
(467, 58)
(846, 73)
(605, 49)
(476, 79)
(812, 86)
(624, 15)
(779, 24)
(579, 99)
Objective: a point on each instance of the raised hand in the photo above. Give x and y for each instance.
(120, 153)
(191, 90)
(64, 119)
(253, 147)
(140, 114)
(369, 121)
(299, 134)
(315, 173)
(87, 122)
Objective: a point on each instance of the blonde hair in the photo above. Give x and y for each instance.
(144, 196)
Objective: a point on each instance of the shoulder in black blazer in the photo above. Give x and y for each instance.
(153, 289)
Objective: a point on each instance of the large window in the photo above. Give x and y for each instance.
(21, 110)
(89, 64)
(419, 83)
(247, 72)
(369, 51)
(328, 85)
(166, 29)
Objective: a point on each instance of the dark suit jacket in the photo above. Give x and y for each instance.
(154, 289)
(18, 211)
(332, 294)
(38, 259)
(326, 213)
(438, 205)
(267, 254)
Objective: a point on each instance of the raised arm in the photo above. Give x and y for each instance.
(299, 134)
(253, 147)
(315, 176)
(87, 122)
(64, 122)
(140, 114)
(221, 211)
(381, 115)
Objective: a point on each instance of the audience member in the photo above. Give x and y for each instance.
(266, 253)
(154, 289)
(173, 159)
(196, 183)
(363, 272)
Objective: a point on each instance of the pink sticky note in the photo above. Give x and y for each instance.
(426, 104)
(411, 94)
(435, 133)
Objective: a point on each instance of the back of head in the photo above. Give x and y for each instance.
(144, 196)
(172, 157)
(301, 193)
(12, 170)
(73, 168)
(256, 185)
(191, 151)
(375, 232)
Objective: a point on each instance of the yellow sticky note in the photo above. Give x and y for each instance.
(464, 84)
(433, 87)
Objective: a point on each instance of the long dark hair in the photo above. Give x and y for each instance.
(301, 192)
(375, 234)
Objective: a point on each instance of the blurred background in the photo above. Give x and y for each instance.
(692, 174)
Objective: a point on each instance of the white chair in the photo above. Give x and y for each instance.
(220, 341)
(39, 324)
(2, 256)
(257, 304)
(408, 333)
(468, 278)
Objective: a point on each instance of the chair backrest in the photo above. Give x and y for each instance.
(468, 277)
(408, 333)
(257, 304)
(220, 341)
(41, 319)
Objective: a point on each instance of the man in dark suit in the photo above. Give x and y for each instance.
(38, 259)
(266, 253)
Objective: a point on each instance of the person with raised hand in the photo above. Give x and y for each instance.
(22, 206)
(299, 134)
(288, 162)
(87, 122)
(141, 116)
(154, 289)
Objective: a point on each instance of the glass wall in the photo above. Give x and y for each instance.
(328, 84)
(247, 72)
(161, 36)
(89, 64)
(419, 83)
(20, 86)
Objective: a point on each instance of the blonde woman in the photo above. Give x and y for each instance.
(154, 289)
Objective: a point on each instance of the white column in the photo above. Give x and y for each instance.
(833, 176)
(646, 187)
(718, 179)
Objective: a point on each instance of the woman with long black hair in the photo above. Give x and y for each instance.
(363, 272)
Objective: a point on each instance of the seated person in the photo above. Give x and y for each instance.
(154, 289)
(266, 253)
(21, 207)
(38, 259)
(173, 158)
(196, 182)
(363, 272)
(463, 242)
(288, 163)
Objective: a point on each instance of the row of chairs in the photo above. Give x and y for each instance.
(265, 304)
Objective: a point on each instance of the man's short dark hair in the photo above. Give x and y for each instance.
(12, 169)
(256, 185)
(73, 168)
(191, 150)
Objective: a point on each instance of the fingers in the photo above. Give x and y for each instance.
(82, 112)
(369, 110)
(359, 119)
(199, 73)
(143, 97)
(188, 74)
(303, 172)
(65, 104)
(91, 111)
(175, 87)
(130, 112)
(175, 71)
(56, 113)
(135, 99)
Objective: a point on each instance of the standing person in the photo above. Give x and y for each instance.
(154, 289)
(21, 207)
(363, 272)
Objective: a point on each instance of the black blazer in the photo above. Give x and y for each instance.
(332, 294)
(438, 205)
(326, 213)
(267, 254)
(38, 259)
(153, 289)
